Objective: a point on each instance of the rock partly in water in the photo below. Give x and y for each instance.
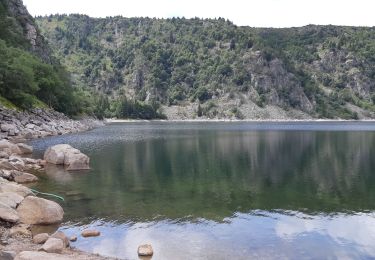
(8, 214)
(68, 156)
(73, 238)
(33, 210)
(40, 238)
(90, 233)
(53, 245)
(62, 236)
(145, 250)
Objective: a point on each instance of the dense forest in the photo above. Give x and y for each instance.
(29, 75)
(323, 71)
(210, 68)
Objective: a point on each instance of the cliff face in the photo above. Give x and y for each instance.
(19, 29)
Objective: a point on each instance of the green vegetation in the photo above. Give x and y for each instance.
(178, 60)
(131, 67)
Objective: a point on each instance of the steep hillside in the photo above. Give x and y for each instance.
(29, 74)
(213, 68)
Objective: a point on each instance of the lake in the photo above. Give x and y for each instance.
(221, 190)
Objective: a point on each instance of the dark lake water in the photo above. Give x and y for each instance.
(222, 190)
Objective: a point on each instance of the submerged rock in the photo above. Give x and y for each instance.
(33, 210)
(145, 250)
(90, 233)
(68, 156)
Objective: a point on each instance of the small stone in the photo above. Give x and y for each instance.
(73, 238)
(145, 250)
(53, 245)
(62, 236)
(40, 238)
(90, 233)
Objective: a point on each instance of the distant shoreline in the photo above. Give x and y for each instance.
(236, 120)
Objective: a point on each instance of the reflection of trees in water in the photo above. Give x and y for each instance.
(213, 175)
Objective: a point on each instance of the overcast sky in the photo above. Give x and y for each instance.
(257, 13)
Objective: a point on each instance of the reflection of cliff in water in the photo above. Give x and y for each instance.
(213, 174)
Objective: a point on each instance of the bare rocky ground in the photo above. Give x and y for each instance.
(232, 108)
(21, 211)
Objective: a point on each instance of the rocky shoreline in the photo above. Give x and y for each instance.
(21, 211)
(19, 126)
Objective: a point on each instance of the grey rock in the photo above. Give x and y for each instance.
(33, 210)
(40, 238)
(145, 250)
(10, 199)
(53, 245)
(25, 149)
(7, 255)
(25, 178)
(62, 236)
(16, 188)
(31, 255)
(8, 214)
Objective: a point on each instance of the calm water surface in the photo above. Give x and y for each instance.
(222, 190)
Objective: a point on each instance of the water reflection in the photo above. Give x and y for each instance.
(223, 191)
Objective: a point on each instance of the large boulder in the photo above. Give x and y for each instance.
(33, 210)
(68, 156)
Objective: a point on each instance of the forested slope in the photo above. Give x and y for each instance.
(214, 68)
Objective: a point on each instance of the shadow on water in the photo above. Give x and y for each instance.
(207, 181)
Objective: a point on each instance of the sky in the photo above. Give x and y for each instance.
(255, 13)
